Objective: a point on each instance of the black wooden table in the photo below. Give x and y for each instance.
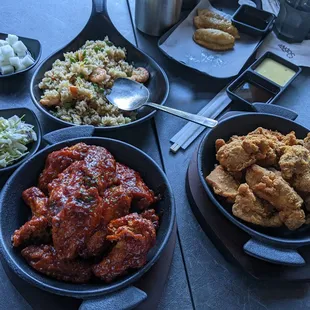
(200, 277)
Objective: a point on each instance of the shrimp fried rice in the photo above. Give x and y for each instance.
(75, 88)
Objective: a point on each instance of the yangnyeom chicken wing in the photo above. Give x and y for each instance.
(44, 259)
(251, 209)
(58, 161)
(223, 183)
(134, 237)
(273, 188)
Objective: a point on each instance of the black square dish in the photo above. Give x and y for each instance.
(253, 21)
(280, 60)
(30, 118)
(34, 48)
(250, 88)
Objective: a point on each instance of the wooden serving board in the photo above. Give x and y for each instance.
(229, 239)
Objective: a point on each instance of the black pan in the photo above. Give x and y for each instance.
(276, 245)
(99, 26)
(14, 213)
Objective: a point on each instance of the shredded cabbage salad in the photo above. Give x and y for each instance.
(15, 134)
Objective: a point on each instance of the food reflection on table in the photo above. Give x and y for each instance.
(266, 176)
(75, 89)
(214, 31)
(91, 217)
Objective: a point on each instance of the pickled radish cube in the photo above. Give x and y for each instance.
(15, 62)
(21, 54)
(7, 51)
(27, 61)
(21, 67)
(7, 69)
(19, 47)
(3, 42)
(11, 39)
(4, 61)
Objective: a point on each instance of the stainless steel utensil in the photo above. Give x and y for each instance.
(154, 17)
(129, 95)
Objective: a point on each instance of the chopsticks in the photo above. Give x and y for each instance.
(191, 131)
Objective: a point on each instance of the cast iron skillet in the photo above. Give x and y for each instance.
(14, 213)
(99, 26)
(276, 245)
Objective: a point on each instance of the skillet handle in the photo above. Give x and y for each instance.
(274, 109)
(273, 254)
(100, 6)
(63, 134)
(127, 298)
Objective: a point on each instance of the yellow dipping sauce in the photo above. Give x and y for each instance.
(275, 71)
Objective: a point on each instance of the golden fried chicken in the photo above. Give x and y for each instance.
(44, 259)
(203, 22)
(295, 166)
(223, 183)
(214, 39)
(294, 160)
(233, 156)
(251, 209)
(134, 237)
(260, 146)
(273, 188)
(306, 142)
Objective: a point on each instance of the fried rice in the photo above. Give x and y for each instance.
(75, 89)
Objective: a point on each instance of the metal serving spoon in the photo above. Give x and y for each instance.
(129, 95)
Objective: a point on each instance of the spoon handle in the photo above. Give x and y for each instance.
(198, 119)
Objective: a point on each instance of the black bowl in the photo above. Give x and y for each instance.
(29, 118)
(241, 125)
(97, 28)
(34, 48)
(14, 213)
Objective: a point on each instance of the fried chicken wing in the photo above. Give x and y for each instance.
(134, 237)
(223, 183)
(260, 146)
(295, 166)
(203, 22)
(214, 39)
(58, 161)
(273, 188)
(36, 200)
(76, 223)
(233, 156)
(251, 209)
(37, 228)
(44, 259)
(134, 185)
(306, 142)
(33, 230)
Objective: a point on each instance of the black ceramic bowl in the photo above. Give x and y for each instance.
(34, 48)
(14, 213)
(97, 28)
(241, 125)
(29, 118)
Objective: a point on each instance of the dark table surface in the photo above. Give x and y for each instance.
(200, 277)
